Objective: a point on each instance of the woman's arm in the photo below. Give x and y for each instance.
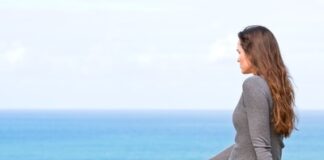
(258, 114)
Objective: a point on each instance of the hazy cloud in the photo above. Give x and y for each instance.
(12, 55)
(223, 48)
(147, 54)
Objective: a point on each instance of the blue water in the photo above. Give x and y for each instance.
(137, 135)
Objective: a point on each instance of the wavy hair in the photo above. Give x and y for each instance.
(262, 49)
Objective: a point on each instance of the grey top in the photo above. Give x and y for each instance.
(255, 137)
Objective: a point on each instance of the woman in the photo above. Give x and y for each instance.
(264, 114)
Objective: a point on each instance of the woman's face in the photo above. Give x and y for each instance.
(245, 63)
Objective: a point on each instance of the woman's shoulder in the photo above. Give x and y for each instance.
(256, 82)
(256, 86)
(254, 79)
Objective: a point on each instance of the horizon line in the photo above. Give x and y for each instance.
(139, 109)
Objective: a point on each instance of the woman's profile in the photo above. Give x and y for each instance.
(264, 114)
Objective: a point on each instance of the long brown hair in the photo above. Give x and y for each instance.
(263, 51)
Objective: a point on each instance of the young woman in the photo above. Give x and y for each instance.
(264, 114)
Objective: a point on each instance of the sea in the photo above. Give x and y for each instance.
(138, 135)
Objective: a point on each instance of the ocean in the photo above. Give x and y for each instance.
(137, 135)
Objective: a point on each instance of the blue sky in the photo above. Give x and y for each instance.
(144, 54)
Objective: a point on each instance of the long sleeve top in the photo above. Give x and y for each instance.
(255, 136)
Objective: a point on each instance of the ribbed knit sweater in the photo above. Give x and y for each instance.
(255, 136)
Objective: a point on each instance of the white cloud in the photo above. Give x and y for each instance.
(172, 61)
(145, 59)
(13, 55)
(93, 62)
(16, 55)
(223, 49)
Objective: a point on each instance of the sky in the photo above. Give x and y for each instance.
(149, 54)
